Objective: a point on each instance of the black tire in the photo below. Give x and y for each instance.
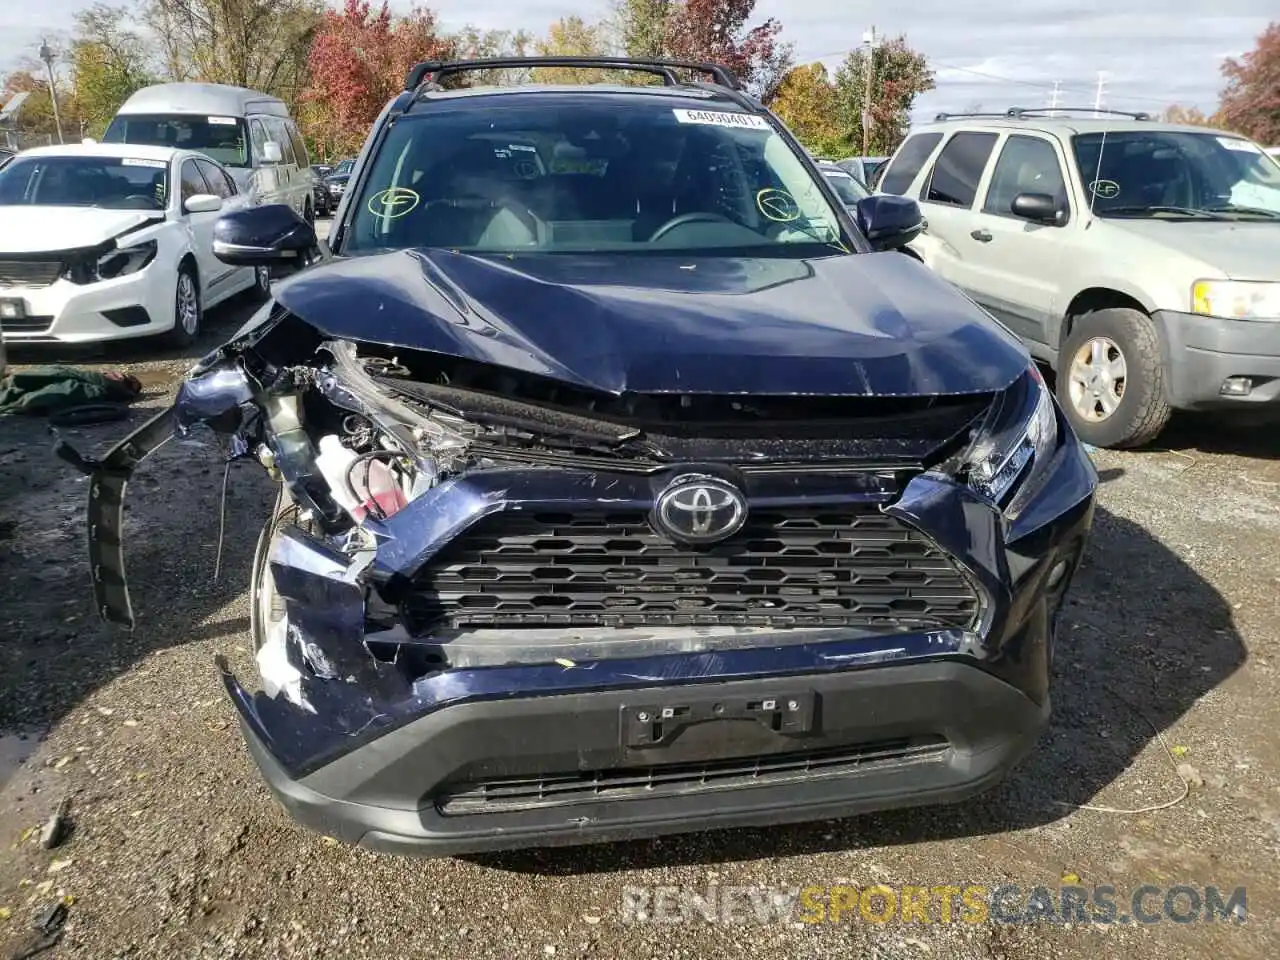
(265, 606)
(186, 326)
(1143, 409)
(260, 292)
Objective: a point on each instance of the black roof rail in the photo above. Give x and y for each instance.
(435, 69)
(1017, 113)
(737, 95)
(1050, 111)
(966, 116)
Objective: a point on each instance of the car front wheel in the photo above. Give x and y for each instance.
(261, 289)
(1111, 379)
(186, 308)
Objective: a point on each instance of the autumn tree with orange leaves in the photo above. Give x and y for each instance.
(358, 62)
(1251, 99)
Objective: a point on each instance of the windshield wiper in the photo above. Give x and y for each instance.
(1247, 211)
(1138, 209)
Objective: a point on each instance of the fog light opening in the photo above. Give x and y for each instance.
(1236, 387)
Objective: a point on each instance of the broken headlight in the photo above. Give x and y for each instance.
(1016, 440)
(118, 262)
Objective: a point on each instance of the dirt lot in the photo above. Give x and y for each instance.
(177, 850)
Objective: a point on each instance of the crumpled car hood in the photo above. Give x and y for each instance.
(865, 325)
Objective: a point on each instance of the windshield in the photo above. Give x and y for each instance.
(123, 184)
(225, 139)
(343, 168)
(847, 188)
(588, 174)
(1136, 173)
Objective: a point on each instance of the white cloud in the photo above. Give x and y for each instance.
(984, 52)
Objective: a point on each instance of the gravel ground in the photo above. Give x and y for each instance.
(176, 850)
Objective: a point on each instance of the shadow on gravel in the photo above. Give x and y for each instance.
(1223, 434)
(54, 651)
(1144, 638)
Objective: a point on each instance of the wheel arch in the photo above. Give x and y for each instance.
(1097, 298)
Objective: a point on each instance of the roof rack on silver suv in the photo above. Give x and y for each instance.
(1018, 113)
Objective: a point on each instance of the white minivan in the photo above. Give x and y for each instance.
(248, 132)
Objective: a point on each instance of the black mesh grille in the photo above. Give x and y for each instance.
(29, 273)
(26, 325)
(856, 567)
(557, 790)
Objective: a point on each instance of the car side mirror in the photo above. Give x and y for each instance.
(270, 235)
(889, 221)
(1038, 208)
(202, 203)
(271, 152)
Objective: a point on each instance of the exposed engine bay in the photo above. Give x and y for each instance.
(385, 459)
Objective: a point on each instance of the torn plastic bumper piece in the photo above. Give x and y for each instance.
(220, 397)
(108, 479)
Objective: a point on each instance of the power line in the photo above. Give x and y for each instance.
(1037, 84)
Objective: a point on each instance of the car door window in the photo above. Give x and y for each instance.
(958, 169)
(910, 159)
(258, 134)
(1026, 165)
(280, 134)
(219, 183)
(299, 145)
(192, 182)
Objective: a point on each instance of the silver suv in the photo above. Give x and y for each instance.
(1141, 260)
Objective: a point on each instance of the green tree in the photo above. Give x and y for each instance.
(641, 26)
(898, 76)
(806, 103)
(109, 61)
(571, 37)
(260, 44)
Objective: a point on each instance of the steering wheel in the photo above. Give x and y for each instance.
(141, 198)
(679, 220)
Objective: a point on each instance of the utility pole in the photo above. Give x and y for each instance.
(47, 55)
(1056, 100)
(1102, 88)
(872, 41)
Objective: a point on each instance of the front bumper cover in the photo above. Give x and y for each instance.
(362, 752)
(381, 795)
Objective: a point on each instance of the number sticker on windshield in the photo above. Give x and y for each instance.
(223, 121)
(1240, 144)
(717, 118)
(154, 164)
(778, 205)
(392, 203)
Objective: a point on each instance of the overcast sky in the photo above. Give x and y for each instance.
(985, 52)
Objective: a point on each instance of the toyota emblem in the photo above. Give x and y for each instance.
(695, 509)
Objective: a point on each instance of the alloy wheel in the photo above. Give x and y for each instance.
(188, 304)
(1096, 379)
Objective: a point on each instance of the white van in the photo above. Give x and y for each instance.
(249, 133)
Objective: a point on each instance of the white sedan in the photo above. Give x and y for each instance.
(110, 241)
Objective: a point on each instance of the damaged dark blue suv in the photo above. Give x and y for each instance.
(629, 483)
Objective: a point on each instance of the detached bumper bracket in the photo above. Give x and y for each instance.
(108, 478)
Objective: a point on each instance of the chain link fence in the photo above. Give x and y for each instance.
(15, 140)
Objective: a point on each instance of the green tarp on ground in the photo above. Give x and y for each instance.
(48, 390)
